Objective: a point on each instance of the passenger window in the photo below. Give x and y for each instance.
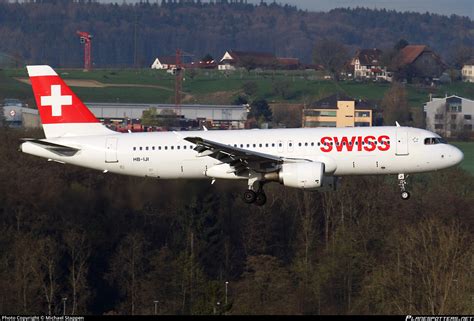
(141, 148)
(177, 147)
(299, 144)
(248, 145)
(146, 148)
(184, 147)
(134, 148)
(312, 143)
(259, 145)
(273, 144)
(172, 147)
(241, 146)
(159, 147)
(153, 147)
(254, 145)
(266, 145)
(166, 147)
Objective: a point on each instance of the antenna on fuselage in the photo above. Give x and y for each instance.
(396, 123)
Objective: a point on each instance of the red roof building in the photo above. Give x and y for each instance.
(418, 61)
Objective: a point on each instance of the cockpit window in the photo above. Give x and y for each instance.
(434, 140)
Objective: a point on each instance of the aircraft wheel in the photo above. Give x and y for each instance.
(405, 195)
(261, 199)
(249, 196)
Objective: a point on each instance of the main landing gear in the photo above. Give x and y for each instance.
(402, 183)
(255, 193)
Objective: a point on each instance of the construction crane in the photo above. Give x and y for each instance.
(86, 39)
(178, 85)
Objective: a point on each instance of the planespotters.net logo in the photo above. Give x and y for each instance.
(439, 318)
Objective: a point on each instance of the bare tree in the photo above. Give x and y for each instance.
(46, 269)
(127, 267)
(395, 105)
(332, 55)
(78, 251)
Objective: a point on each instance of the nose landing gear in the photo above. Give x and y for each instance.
(402, 183)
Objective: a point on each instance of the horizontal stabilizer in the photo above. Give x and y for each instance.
(58, 149)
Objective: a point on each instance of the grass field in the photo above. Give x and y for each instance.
(468, 150)
(212, 86)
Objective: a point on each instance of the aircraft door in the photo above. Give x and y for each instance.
(402, 141)
(111, 150)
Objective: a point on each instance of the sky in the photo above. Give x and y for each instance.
(445, 7)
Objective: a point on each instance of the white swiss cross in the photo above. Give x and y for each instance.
(56, 101)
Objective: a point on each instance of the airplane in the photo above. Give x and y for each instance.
(304, 158)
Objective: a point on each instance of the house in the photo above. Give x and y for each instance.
(450, 116)
(209, 64)
(251, 60)
(167, 62)
(288, 63)
(367, 64)
(417, 61)
(338, 111)
(467, 71)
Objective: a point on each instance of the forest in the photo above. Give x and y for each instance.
(95, 243)
(126, 35)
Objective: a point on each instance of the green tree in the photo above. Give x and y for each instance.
(260, 110)
(166, 118)
(250, 88)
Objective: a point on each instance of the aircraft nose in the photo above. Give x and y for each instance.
(456, 155)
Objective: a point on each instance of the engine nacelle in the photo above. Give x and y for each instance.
(302, 175)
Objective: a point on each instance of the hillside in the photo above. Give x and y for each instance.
(213, 87)
(132, 35)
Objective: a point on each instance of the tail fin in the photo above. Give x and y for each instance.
(62, 112)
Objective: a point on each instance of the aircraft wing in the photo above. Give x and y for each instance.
(240, 159)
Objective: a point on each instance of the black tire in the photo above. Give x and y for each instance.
(405, 195)
(249, 196)
(261, 199)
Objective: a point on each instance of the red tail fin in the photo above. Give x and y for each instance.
(59, 106)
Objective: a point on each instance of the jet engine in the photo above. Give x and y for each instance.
(299, 175)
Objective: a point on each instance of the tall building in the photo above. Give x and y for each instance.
(450, 116)
(468, 71)
(338, 111)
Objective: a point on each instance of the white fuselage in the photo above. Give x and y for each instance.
(167, 155)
